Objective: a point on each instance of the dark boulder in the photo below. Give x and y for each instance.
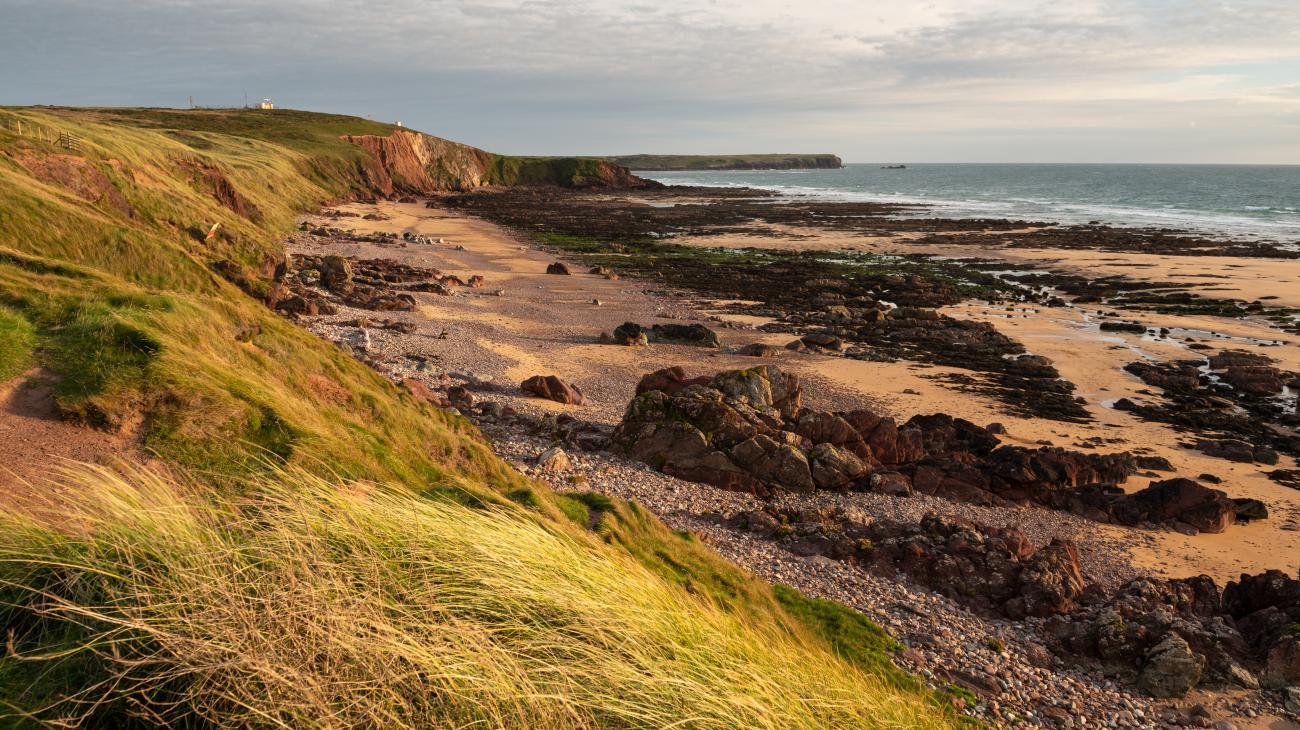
(630, 333)
(1178, 500)
(695, 335)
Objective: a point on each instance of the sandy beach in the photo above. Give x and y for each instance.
(545, 324)
(523, 322)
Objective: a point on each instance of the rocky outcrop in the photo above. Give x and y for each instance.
(1165, 636)
(1266, 607)
(376, 284)
(1229, 401)
(407, 162)
(410, 162)
(992, 570)
(747, 430)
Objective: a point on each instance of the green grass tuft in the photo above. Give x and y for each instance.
(16, 340)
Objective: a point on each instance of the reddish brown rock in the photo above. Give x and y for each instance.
(424, 393)
(669, 380)
(553, 388)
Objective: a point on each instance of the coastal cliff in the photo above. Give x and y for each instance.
(728, 162)
(413, 162)
(153, 321)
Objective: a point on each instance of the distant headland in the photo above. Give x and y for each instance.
(727, 162)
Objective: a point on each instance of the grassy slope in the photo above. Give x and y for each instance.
(105, 281)
(711, 162)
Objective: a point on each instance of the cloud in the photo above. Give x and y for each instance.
(551, 76)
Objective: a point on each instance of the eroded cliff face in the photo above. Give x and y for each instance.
(412, 162)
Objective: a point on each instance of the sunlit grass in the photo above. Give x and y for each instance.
(311, 603)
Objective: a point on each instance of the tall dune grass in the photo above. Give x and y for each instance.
(309, 603)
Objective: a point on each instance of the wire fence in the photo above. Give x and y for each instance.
(66, 140)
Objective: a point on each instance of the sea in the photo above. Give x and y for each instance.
(1259, 202)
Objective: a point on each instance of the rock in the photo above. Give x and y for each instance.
(1254, 380)
(423, 393)
(763, 386)
(630, 333)
(1241, 676)
(758, 349)
(823, 341)
(1153, 463)
(1050, 582)
(1171, 668)
(1282, 663)
(891, 483)
(669, 380)
(1178, 500)
(835, 468)
(696, 335)
(1237, 450)
(1171, 376)
(359, 340)
(1291, 700)
(1250, 509)
(1133, 327)
(336, 274)
(554, 460)
(775, 463)
(461, 397)
(558, 268)
(553, 388)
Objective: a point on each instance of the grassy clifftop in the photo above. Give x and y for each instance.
(727, 162)
(328, 550)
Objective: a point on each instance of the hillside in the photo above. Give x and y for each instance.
(299, 541)
(727, 162)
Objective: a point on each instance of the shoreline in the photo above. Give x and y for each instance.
(1224, 225)
(1090, 359)
(489, 342)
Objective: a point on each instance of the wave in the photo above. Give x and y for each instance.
(1242, 221)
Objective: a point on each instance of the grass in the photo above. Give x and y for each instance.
(127, 311)
(16, 340)
(276, 584)
(311, 603)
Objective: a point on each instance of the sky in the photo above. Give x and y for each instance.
(938, 81)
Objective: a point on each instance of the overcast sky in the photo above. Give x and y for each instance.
(947, 80)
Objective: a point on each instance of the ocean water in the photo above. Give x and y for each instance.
(1244, 201)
